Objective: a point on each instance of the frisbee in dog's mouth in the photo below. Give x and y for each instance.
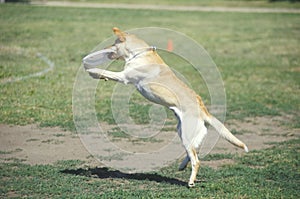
(97, 58)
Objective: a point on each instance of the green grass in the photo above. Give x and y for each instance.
(272, 173)
(257, 55)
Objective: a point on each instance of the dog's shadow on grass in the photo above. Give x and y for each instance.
(104, 173)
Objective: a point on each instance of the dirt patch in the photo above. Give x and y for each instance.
(33, 145)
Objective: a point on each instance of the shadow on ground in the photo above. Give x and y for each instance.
(104, 173)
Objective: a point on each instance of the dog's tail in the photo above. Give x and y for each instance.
(224, 132)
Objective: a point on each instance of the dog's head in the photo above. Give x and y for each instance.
(125, 47)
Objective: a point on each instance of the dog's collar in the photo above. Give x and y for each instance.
(151, 48)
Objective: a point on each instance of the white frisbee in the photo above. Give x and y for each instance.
(96, 58)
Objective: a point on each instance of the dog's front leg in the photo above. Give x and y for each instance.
(98, 73)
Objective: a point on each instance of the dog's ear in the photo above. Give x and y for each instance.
(119, 34)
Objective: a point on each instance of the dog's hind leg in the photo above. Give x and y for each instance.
(192, 153)
(189, 130)
(184, 163)
(178, 115)
(192, 134)
(198, 140)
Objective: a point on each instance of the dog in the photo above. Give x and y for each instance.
(154, 79)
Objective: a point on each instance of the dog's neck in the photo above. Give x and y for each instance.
(139, 52)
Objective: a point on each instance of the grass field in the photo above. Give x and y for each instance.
(257, 55)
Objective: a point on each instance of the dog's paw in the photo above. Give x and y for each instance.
(191, 184)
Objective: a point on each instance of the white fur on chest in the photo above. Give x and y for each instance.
(140, 74)
(141, 77)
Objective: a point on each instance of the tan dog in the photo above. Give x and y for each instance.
(145, 69)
